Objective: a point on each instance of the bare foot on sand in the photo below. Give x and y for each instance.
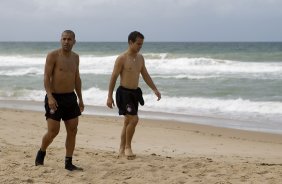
(129, 154)
(121, 153)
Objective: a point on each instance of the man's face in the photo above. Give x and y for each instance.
(67, 41)
(137, 45)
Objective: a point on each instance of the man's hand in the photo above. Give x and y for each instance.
(158, 94)
(52, 103)
(110, 102)
(81, 106)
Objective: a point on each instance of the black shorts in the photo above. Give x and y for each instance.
(67, 107)
(127, 101)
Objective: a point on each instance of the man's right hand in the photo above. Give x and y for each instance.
(110, 102)
(52, 103)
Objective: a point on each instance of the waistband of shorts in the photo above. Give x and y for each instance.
(63, 94)
(127, 89)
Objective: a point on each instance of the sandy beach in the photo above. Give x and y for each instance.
(167, 152)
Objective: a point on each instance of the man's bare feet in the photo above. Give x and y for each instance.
(121, 153)
(129, 154)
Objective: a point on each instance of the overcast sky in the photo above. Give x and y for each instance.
(158, 20)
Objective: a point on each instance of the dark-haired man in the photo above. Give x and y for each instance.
(129, 65)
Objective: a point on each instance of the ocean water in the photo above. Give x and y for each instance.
(240, 82)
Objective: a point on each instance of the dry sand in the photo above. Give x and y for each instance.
(167, 152)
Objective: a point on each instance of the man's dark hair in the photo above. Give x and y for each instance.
(69, 32)
(134, 35)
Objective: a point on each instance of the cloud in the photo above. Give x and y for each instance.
(159, 19)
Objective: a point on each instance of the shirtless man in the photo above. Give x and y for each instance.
(61, 79)
(129, 65)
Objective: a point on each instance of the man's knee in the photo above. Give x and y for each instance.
(53, 133)
(71, 126)
(72, 130)
(136, 119)
(131, 119)
(53, 128)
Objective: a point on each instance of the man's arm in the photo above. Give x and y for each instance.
(48, 72)
(147, 78)
(116, 71)
(78, 85)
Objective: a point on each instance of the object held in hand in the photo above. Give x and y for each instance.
(52, 111)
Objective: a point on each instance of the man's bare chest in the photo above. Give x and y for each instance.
(64, 65)
(132, 66)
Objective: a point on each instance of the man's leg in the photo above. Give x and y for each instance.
(71, 128)
(130, 129)
(53, 128)
(123, 137)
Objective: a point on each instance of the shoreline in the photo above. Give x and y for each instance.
(168, 125)
(217, 122)
(167, 152)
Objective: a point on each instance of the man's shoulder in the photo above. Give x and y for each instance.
(54, 52)
(140, 56)
(75, 54)
(51, 56)
(121, 57)
(57, 52)
(124, 56)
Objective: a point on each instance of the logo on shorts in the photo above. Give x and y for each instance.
(128, 108)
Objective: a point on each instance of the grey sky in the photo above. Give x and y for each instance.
(158, 20)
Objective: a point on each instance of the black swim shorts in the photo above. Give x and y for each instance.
(67, 107)
(127, 100)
